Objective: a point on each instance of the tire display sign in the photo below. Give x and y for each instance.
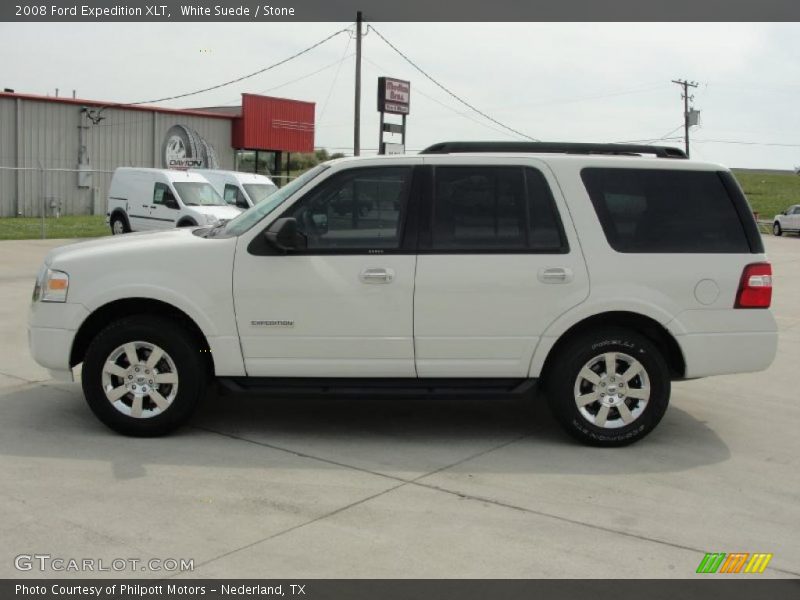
(184, 148)
(394, 96)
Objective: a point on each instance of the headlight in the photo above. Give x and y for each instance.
(211, 220)
(51, 286)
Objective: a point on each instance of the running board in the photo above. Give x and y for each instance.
(311, 387)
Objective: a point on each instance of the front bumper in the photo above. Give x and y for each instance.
(52, 327)
(51, 348)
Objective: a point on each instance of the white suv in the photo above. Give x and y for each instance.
(470, 269)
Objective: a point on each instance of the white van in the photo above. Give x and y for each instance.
(148, 199)
(243, 190)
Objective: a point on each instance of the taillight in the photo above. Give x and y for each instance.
(755, 288)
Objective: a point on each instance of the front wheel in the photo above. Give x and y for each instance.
(609, 388)
(119, 225)
(143, 376)
(776, 229)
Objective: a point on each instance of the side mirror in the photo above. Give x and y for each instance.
(284, 236)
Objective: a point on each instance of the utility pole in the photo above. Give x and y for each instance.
(357, 116)
(686, 97)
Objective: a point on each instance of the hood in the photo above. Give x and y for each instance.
(118, 243)
(221, 212)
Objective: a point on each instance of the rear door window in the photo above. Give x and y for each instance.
(665, 211)
(494, 209)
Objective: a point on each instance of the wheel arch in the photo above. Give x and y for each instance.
(642, 324)
(187, 222)
(118, 309)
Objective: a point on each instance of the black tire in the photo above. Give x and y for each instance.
(776, 229)
(187, 223)
(121, 224)
(178, 344)
(563, 379)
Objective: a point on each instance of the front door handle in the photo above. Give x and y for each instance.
(555, 275)
(377, 276)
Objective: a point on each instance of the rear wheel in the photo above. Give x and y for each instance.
(609, 388)
(143, 375)
(776, 228)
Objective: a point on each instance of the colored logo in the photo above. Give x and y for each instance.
(735, 562)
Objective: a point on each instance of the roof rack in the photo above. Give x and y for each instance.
(554, 148)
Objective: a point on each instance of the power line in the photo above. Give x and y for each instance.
(665, 137)
(243, 77)
(335, 78)
(748, 143)
(296, 79)
(95, 117)
(466, 115)
(461, 100)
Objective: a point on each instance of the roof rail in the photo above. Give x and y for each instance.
(554, 148)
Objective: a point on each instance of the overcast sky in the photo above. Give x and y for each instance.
(564, 81)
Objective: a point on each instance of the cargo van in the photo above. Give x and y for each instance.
(148, 199)
(243, 190)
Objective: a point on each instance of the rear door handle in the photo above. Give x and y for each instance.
(377, 276)
(555, 275)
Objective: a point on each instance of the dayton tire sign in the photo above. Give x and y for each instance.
(184, 148)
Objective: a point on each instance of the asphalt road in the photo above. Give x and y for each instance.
(423, 489)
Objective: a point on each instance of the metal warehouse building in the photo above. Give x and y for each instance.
(57, 154)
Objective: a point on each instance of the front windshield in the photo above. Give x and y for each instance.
(259, 192)
(250, 217)
(195, 193)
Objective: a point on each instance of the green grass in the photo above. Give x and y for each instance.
(769, 193)
(27, 228)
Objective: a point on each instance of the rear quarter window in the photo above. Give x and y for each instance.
(668, 211)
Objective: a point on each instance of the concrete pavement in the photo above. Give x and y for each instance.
(312, 489)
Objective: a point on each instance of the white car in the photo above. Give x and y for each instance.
(147, 199)
(243, 190)
(478, 269)
(788, 221)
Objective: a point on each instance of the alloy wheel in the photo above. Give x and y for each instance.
(612, 390)
(140, 379)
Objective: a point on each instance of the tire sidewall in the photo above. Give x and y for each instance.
(176, 342)
(577, 354)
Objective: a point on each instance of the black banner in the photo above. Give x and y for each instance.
(406, 10)
(434, 589)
